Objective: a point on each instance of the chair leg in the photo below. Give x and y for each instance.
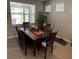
(18, 40)
(45, 53)
(51, 49)
(35, 51)
(25, 48)
(22, 44)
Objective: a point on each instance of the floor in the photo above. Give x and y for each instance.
(59, 52)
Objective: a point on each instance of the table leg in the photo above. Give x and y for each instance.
(35, 49)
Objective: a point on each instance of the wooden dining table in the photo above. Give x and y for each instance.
(34, 35)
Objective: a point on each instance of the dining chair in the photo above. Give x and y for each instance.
(48, 41)
(26, 25)
(49, 28)
(22, 40)
(18, 35)
(52, 26)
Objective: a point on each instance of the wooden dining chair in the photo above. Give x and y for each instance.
(49, 28)
(48, 41)
(18, 34)
(26, 25)
(22, 40)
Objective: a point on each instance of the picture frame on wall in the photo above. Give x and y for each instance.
(59, 7)
(48, 8)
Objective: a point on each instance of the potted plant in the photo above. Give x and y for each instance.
(41, 19)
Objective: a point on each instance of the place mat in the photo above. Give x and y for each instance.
(38, 33)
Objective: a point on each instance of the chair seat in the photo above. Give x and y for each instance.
(44, 44)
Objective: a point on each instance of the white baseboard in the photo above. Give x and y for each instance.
(12, 37)
(65, 39)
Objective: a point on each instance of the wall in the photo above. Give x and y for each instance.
(62, 20)
(10, 29)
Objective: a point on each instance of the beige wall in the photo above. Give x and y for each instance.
(62, 20)
(10, 29)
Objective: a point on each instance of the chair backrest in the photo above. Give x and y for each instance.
(26, 24)
(49, 28)
(20, 33)
(51, 37)
(52, 26)
(17, 30)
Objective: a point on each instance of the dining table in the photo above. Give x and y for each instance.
(35, 36)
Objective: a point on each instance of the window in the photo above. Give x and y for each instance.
(60, 7)
(22, 13)
(48, 8)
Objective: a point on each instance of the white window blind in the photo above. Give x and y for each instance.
(21, 12)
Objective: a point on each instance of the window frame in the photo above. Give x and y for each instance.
(29, 14)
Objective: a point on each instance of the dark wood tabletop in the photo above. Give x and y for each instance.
(33, 35)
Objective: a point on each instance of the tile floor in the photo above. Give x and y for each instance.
(60, 52)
